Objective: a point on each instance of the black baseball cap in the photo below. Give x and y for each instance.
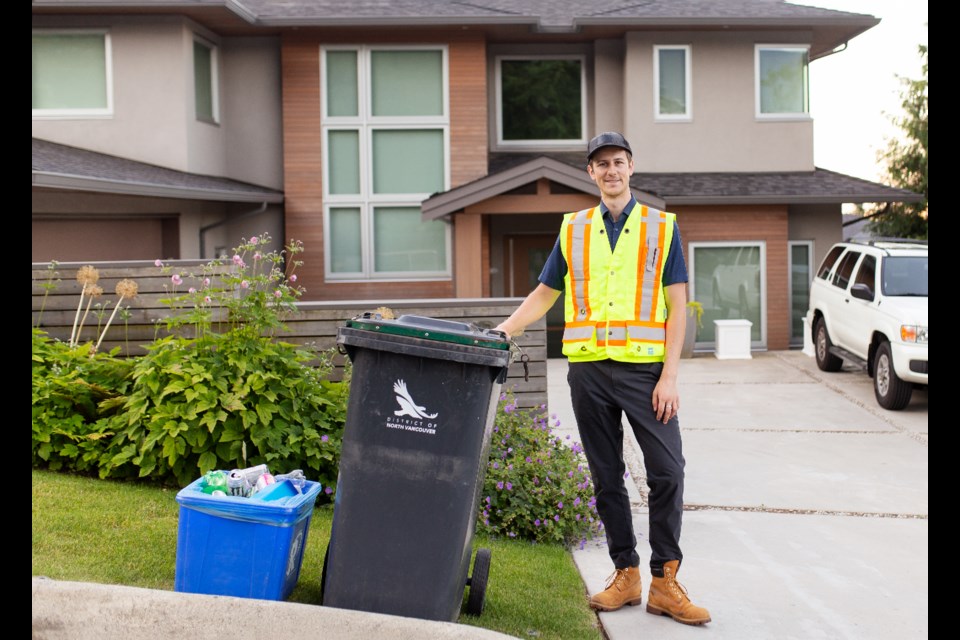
(608, 139)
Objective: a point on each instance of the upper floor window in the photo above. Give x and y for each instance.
(541, 100)
(206, 96)
(72, 73)
(782, 87)
(671, 71)
(386, 147)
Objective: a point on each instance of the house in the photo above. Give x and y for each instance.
(428, 150)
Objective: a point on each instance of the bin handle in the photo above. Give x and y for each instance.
(524, 359)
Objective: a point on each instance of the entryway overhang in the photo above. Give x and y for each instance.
(443, 205)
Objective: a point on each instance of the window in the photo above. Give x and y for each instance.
(867, 273)
(829, 261)
(205, 82)
(72, 73)
(782, 88)
(729, 280)
(541, 101)
(671, 70)
(842, 276)
(385, 131)
(801, 270)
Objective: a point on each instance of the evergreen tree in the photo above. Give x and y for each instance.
(906, 161)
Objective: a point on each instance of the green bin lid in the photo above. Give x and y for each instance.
(424, 327)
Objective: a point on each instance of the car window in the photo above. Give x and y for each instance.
(867, 273)
(828, 262)
(842, 276)
(905, 276)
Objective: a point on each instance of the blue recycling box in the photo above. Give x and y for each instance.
(246, 547)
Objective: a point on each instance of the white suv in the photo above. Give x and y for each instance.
(868, 305)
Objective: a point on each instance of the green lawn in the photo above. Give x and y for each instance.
(108, 532)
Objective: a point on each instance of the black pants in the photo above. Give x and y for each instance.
(602, 392)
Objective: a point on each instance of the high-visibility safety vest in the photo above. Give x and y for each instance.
(614, 301)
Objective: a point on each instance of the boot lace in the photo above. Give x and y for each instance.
(617, 578)
(678, 590)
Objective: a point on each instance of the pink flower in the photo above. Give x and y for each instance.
(256, 255)
(237, 260)
(176, 279)
(277, 293)
(158, 263)
(254, 240)
(206, 282)
(192, 290)
(245, 284)
(207, 299)
(293, 277)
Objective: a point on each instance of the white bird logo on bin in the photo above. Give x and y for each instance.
(407, 405)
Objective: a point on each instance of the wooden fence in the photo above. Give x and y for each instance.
(56, 298)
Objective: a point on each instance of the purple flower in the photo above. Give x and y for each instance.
(556, 518)
(500, 485)
(496, 465)
(560, 505)
(509, 486)
(328, 491)
(528, 459)
(324, 438)
(536, 522)
(576, 502)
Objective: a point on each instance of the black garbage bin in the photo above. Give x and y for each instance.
(423, 395)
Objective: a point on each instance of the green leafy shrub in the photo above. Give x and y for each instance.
(536, 487)
(74, 391)
(219, 392)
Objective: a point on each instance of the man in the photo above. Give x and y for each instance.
(621, 267)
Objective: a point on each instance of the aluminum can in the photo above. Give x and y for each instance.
(237, 484)
(264, 481)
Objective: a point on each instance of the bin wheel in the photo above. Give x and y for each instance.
(478, 582)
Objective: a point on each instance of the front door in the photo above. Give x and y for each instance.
(526, 255)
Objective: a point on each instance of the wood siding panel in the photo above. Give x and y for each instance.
(314, 324)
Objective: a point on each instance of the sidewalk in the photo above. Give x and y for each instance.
(806, 505)
(806, 518)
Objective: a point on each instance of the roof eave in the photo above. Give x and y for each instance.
(116, 187)
(775, 199)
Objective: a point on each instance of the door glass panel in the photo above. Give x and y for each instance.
(800, 266)
(727, 281)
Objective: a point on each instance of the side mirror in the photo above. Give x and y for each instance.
(862, 291)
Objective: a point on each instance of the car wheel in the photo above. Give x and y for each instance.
(826, 361)
(892, 392)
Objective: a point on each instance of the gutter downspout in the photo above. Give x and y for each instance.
(242, 216)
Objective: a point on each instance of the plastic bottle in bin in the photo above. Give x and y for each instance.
(215, 481)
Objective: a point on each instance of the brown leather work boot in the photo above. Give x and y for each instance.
(623, 587)
(668, 597)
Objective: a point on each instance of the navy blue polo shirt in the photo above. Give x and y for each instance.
(674, 269)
